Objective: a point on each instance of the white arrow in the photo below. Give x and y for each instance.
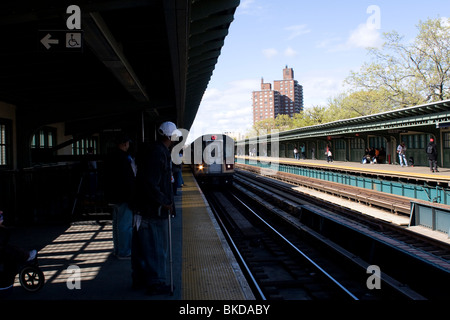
(46, 41)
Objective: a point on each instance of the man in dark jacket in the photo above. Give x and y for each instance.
(119, 191)
(154, 203)
(432, 154)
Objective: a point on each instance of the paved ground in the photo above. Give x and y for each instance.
(87, 245)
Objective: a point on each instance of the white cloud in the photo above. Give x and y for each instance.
(270, 53)
(296, 31)
(226, 109)
(289, 52)
(330, 42)
(251, 8)
(364, 36)
(320, 86)
(246, 4)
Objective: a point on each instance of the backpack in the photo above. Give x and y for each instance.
(430, 149)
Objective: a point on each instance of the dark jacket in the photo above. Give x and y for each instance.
(4, 238)
(120, 182)
(433, 148)
(153, 180)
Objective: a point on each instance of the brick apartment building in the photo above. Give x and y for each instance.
(285, 98)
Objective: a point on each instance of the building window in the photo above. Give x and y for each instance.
(5, 143)
(446, 140)
(82, 146)
(377, 142)
(417, 141)
(357, 143)
(339, 144)
(44, 138)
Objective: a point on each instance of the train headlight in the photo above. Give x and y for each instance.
(200, 167)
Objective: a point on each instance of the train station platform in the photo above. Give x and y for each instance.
(413, 173)
(203, 265)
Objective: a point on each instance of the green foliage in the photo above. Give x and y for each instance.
(400, 74)
(408, 73)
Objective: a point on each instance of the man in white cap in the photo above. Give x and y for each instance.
(154, 203)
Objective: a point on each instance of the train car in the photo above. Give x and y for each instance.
(212, 159)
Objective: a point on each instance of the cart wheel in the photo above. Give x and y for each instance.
(31, 278)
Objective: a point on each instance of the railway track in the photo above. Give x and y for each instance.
(390, 202)
(278, 268)
(416, 262)
(295, 262)
(291, 199)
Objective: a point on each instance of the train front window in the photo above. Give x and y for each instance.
(212, 152)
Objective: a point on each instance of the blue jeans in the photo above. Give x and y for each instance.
(122, 229)
(150, 252)
(402, 160)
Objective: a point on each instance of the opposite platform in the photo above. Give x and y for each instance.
(417, 173)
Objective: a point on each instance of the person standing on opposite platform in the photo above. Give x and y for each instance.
(303, 151)
(119, 191)
(401, 150)
(296, 153)
(154, 203)
(432, 154)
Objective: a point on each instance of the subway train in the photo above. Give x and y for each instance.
(212, 159)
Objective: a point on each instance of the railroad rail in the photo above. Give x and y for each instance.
(290, 199)
(277, 267)
(393, 203)
(368, 240)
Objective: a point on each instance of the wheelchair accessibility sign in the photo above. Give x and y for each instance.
(60, 40)
(73, 40)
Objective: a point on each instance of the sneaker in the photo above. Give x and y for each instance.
(32, 255)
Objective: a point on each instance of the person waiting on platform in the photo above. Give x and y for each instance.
(381, 156)
(154, 204)
(329, 154)
(401, 150)
(296, 153)
(366, 157)
(119, 191)
(372, 155)
(432, 154)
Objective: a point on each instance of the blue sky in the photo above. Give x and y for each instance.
(323, 40)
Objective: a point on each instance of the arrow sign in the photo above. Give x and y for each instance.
(59, 41)
(46, 41)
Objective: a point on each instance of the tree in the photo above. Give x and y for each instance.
(264, 126)
(405, 74)
(357, 104)
(430, 56)
(283, 122)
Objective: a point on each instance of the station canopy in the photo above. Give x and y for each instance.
(434, 115)
(128, 57)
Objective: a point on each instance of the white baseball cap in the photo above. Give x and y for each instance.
(169, 129)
